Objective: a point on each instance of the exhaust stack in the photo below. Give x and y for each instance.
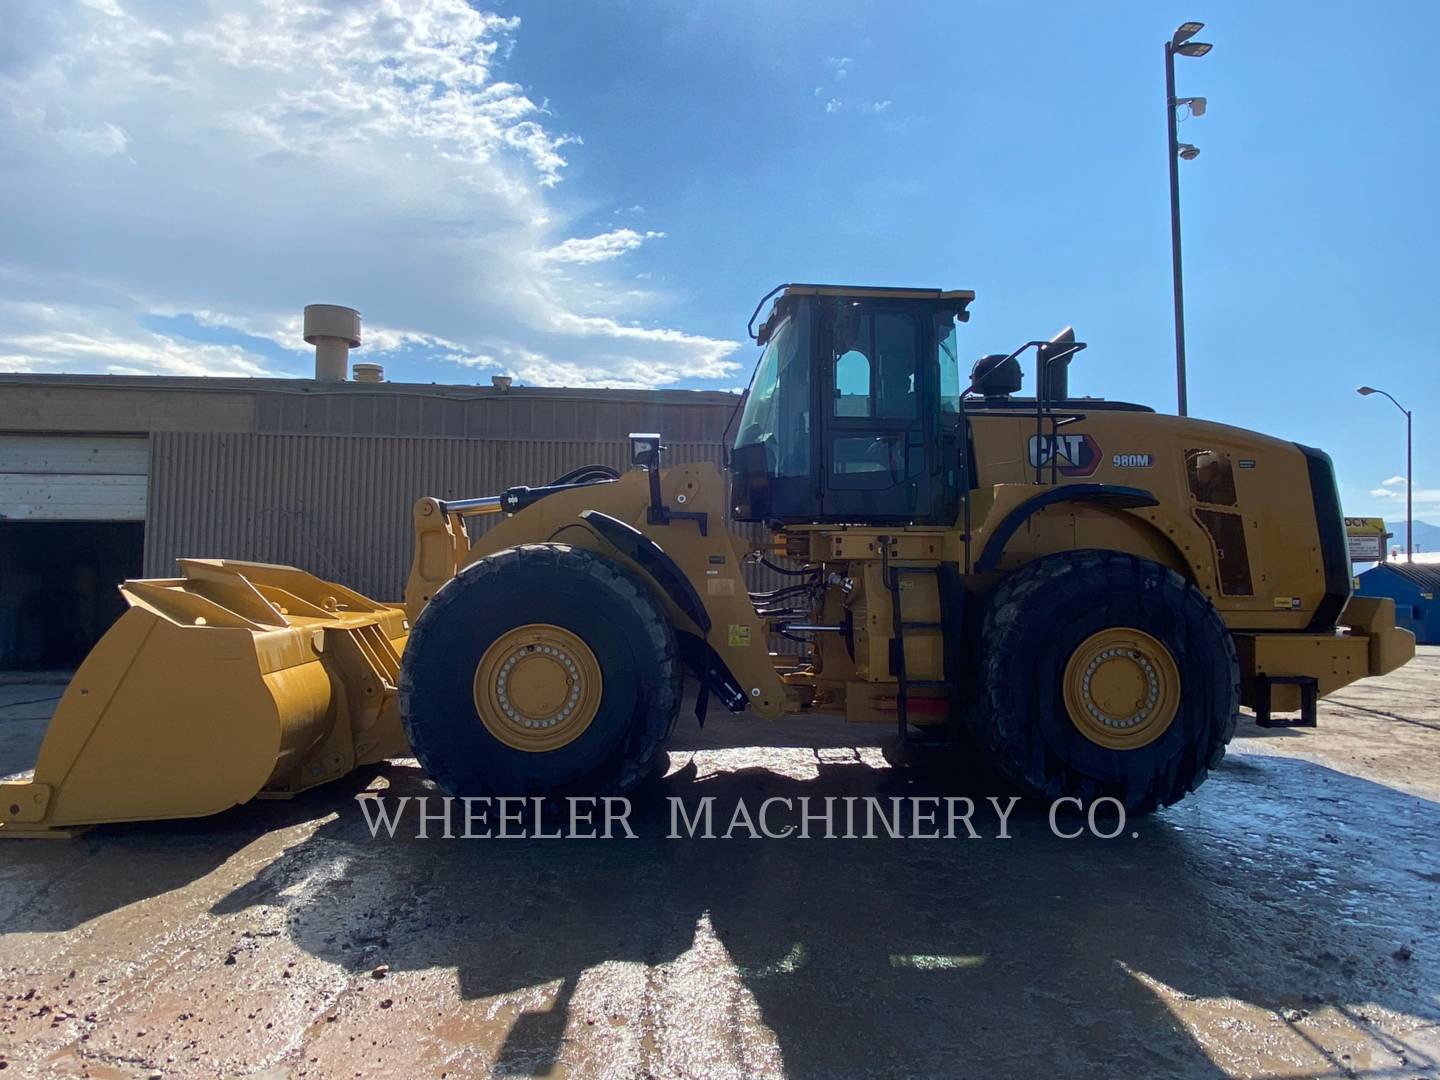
(334, 331)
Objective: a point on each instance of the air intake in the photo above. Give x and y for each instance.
(334, 331)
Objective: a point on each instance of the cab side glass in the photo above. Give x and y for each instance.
(949, 362)
(876, 358)
(777, 413)
(852, 384)
(884, 454)
(897, 359)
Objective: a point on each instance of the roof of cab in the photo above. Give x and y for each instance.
(960, 298)
(879, 291)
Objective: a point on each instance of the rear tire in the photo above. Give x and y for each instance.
(608, 629)
(1044, 638)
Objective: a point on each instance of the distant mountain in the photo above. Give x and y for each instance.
(1427, 536)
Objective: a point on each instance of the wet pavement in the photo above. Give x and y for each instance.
(1281, 922)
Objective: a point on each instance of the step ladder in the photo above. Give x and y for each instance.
(948, 627)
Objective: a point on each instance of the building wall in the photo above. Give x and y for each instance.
(113, 404)
(458, 412)
(323, 475)
(91, 405)
(337, 505)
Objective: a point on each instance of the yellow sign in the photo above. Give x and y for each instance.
(1364, 525)
(739, 635)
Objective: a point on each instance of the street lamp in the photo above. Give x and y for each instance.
(1366, 391)
(1180, 43)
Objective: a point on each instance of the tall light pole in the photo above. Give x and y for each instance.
(1366, 391)
(1180, 43)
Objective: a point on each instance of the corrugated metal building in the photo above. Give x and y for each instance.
(108, 477)
(1414, 587)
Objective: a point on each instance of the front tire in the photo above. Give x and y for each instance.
(542, 670)
(1104, 674)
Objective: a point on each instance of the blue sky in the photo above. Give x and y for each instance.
(596, 195)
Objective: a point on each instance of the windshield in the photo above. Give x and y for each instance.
(777, 414)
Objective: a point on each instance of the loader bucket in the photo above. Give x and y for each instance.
(232, 682)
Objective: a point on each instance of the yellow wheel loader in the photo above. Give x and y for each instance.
(1081, 591)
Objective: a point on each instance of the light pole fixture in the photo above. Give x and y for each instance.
(1180, 43)
(1366, 391)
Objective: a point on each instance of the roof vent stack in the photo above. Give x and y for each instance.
(334, 331)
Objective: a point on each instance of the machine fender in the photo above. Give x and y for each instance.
(651, 557)
(1110, 495)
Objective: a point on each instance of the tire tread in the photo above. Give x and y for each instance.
(1003, 724)
(487, 578)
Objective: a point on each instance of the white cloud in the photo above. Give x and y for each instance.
(593, 249)
(152, 355)
(838, 65)
(59, 338)
(234, 162)
(835, 104)
(1393, 488)
(1425, 499)
(104, 139)
(288, 333)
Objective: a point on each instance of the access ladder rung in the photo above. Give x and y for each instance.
(903, 684)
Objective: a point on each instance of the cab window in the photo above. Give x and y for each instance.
(949, 364)
(875, 361)
(777, 413)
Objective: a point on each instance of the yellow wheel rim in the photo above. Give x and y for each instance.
(537, 688)
(1122, 688)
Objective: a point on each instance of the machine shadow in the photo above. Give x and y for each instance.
(1029, 955)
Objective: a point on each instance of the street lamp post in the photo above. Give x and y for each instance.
(1180, 43)
(1366, 391)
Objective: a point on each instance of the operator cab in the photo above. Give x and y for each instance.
(854, 411)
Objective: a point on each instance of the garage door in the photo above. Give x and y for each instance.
(73, 478)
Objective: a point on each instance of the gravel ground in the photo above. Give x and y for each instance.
(1282, 922)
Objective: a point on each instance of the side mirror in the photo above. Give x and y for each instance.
(645, 450)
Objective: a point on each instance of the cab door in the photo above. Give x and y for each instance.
(877, 402)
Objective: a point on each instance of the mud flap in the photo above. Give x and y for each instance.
(702, 661)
